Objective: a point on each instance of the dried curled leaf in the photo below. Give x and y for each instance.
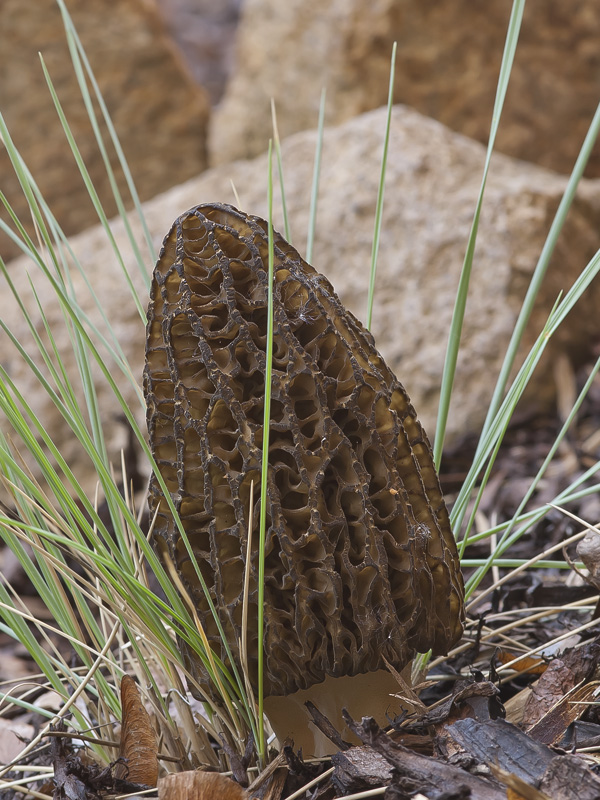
(529, 664)
(197, 785)
(360, 559)
(138, 739)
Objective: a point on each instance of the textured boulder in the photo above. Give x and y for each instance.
(446, 69)
(432, 184)
(157, 109)
(360, 562)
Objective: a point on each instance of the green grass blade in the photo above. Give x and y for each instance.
(513, 563)
(549, 457)
(512, 37)
(107, 483)
(26, 185)
(92, 190)
(314, 192)
(500, 421)
(81, 64)
(264, 490)
(381, 190)
(542, 265)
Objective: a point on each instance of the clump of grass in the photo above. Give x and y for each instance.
(92, 570)
(114, 605)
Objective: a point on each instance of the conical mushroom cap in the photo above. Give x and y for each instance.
(360, 561)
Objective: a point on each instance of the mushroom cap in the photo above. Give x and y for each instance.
(360, 563)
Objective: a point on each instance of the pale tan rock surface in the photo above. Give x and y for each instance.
(449, 55)
(432, 183)
(158, 111)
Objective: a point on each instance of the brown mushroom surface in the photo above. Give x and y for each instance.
(361, 564)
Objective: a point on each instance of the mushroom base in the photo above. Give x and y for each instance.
(361, 695)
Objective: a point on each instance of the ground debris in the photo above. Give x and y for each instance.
(73, 778)
(78, 778)
(503, 744)
(572, 667)
(551, 728)
(325, 726)
(570, 778)
(359, 769)
(581, 734)
(470, 697)
(476, 760)
(529, 591)
(412, 773)
(498, 744)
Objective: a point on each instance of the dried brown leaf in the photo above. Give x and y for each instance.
(533, 666)
(138, 740)
(13, 734)
(196, 785)
(515, 706)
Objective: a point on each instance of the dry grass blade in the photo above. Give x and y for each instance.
(233, 716)
(81, 689)
(138, 739)
(245, 603)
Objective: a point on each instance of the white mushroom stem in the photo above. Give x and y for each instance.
(370, 694)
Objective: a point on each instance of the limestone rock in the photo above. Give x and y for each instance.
(157, 109)
(449, 55)
(432, 184)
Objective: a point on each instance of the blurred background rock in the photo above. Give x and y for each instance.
(161, 64)
(159, 111)
(449, 54)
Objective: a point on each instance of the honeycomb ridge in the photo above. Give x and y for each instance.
(360, 559)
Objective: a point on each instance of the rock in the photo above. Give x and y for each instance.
(446, 68)
(432, 184)
(157, 109)
(205, 33)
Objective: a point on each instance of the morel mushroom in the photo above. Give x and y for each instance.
(361, 565)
